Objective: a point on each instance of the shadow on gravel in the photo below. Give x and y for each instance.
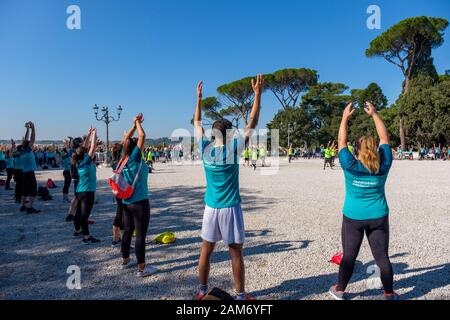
(36, 250)
(298, 289)
(427, 280)
(223, 256)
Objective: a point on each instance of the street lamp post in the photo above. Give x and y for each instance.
(107, 119)
(290, 126)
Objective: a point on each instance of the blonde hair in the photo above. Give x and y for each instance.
(368, 154)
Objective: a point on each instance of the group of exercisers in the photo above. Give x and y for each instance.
(365, 211)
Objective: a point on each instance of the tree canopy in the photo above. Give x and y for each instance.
(288, 84)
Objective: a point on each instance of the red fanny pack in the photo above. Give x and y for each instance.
(119, 186)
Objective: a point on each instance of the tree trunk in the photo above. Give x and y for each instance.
(402, 134)
(401, 128)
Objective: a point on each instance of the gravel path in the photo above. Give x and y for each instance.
(293, 228)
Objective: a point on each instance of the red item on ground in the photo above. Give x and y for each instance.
(50, 184)
(91, 221)
(337, 258)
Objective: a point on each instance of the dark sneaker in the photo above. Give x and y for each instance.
(69, 218)
(91, 240)
(391, 296)
(116, 243)
(77, 234)
(23, 209)
(337, 295)
(32, 211)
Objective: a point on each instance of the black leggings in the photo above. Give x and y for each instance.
(29, 184)
(9, 173)
(84, 208)
(136, 216)
(118, 220)
(377, 232)
(67, 180)
(18, 189)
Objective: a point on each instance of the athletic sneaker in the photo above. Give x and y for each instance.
(129, 265)
(337, 295)
(91, 240)
(148, 271)
(199, 296)
(391, 296)
(69, 218)
(23, 209)
(77, 234)
(32, 211)
(247, 297)
(115, 243)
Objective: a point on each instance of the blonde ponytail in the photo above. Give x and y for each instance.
(368, 154)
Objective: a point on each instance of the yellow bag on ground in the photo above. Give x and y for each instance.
(165, 238)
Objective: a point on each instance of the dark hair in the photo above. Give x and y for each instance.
(128, 146)
(78, 155)
(116, 152)
(77, 142)
(222, 126)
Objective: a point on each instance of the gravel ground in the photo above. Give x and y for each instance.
(293, 228)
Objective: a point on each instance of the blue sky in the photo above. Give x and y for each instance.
(149, 55)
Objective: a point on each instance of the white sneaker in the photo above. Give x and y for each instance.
(148, 271)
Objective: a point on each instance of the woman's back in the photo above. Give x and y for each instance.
(365, 192)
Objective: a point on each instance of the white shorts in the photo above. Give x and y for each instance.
(224, 224)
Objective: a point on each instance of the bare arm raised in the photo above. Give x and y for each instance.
(93, 145)
(141, 132)
(258, 87)
(379, 124)
(33, 134)
(198, 113)
(343, 129)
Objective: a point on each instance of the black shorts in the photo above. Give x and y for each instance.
(29, 184)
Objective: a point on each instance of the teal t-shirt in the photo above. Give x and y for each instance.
(129, 173)
(221, 165)
(2, 156)
(17, 161)
(88, 175)
(28, 160)
(66, 161)
(9, 163)
(365, 192)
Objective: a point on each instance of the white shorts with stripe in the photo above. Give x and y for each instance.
(224, 224)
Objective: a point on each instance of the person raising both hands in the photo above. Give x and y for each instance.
(136, 209)
(83, 160)
(223, 218)
(366, 210)
(28, 169)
